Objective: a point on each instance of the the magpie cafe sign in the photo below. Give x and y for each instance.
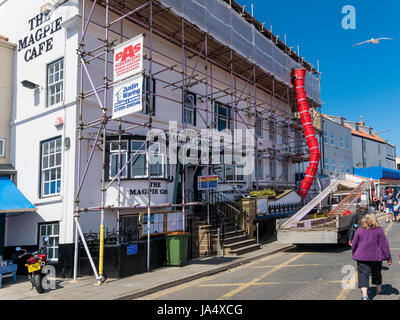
(40, 39)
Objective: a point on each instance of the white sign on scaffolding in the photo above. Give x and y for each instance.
(128, 58)
(128, 97)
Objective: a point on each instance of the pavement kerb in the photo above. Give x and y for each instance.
(167, 285)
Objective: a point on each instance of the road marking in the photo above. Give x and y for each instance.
(238, 284)
(256, 280)
(388, 229)
(294, 265)
(209, 278)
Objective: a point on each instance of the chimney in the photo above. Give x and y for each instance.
(361, 121)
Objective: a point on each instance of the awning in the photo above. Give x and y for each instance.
(377, 173)
(11, 199)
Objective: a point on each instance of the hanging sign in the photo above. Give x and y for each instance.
(128, 58)
(128, 97)
(207, 182)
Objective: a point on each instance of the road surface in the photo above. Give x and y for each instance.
(309, 273)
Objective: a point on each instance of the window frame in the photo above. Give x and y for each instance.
(217, 116)
(325, 133)
(3, 147)
(259, 127)
(140, 139)
(185, 108)
(272, 131)
(326, 164)
(259, 175)
(116, 152)
(272, 165)
(285, 134)
(40, 237)
(41, 169)
(332, 139)
(146, 96)
(55, 83)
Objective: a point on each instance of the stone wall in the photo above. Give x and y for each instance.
(204, 239)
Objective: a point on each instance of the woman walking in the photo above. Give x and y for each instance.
(370, 247)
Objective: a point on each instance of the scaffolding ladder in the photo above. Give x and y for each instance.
(311, 205)
(351, 198)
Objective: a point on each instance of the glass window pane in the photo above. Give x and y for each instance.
(58, 145)
(45, 162)
(46, 188)
(139, 166)
(53, 174)
(45, 148)
(58, 159)
(138, 145)
(53, 187)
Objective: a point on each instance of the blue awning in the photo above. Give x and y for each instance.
(377, 173)
(11, 199)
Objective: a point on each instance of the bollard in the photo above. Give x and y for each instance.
(257, 233)
(219, 243)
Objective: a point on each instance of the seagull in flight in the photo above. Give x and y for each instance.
(374, 41)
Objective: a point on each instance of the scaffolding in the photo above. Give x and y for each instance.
(181, 26)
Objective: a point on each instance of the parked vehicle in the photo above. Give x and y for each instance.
(333, 226)
(35, 264)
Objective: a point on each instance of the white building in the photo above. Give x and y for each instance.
(369, 149)
(337, 151)
(46, 115)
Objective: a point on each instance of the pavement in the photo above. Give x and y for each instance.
(139, 285)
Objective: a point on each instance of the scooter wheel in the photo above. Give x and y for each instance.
(37, 282)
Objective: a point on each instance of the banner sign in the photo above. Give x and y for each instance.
(128, 58)
(210, 182)
(128, 97)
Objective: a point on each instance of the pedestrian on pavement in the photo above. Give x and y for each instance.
(356, 220)
(384, 199)
(376, 201)
(370, 247)
(389, 208)
(396, 211)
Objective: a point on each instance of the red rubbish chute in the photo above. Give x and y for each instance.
(312, 142)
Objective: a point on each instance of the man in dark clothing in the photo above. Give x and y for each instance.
(389, 208)
(362, 210)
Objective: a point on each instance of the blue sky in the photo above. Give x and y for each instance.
(363, 80)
